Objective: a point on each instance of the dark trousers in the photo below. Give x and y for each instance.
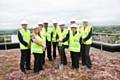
(25, 59)
(48, 44)
(38, 59)
(43, 57)
(62, 54)
(85, 55)
(54, 49)
(75, 59)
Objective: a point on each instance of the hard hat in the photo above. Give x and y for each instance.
(35, 26)
(85, 20)
(55, 21)
(40, 23)
(45, 21)
(72, 19)
(74, 25)
(61, 23)
(24, 22)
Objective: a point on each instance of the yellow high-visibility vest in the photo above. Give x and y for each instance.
(43, 34)
(37, 48)
(48, 33)
(26, 37)
(62, 35)
(55, 31)
(85, 33)
(74, 42)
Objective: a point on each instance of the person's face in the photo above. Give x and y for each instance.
(40, 27)
(62, 26)
(24, 26)
(85, 23)
(55, 24)
(72, 22)
(45, 25)
(36, 30)
(74, 29)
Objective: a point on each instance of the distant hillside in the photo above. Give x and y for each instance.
(106, 29)
(8, 32)
(97, 29)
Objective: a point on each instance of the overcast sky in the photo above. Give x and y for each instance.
(12, 12)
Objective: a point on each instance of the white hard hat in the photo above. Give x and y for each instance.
(85, 20)
(74, 25)
(61, 23)
(45, 21)
(72, 19)
(35, 26)
(24, 22)
(40, 22)
(55, 21)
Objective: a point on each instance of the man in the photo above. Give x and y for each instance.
(24, 42)
(54, 37)
(48, 32)
(62, 32)
(86, 32)
(37, 48)
(43, 34)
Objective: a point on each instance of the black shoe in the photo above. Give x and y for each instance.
(54, 58)
(65, 63)
(50, 59)
(24, 71)
(37, 72)
(28, 69)
(89, 66)
(72, 67)
(83, 64)
(43, 62)
(41, 68)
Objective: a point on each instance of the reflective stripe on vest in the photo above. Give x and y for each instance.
(36, 48)
(85, 33)
(26, 37)
(74, 44)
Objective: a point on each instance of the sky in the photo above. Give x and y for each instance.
(98, 12)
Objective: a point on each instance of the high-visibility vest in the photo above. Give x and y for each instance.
(62, 35)
(43, 34)
(48, 33)
(26, 37)
(74, 42)
(85, 34)
(55, 31)
(37, 48)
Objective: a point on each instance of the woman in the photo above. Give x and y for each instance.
(37, 48)
(74, 45)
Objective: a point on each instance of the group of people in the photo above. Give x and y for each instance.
(44, 39)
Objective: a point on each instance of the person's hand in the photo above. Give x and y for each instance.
(26, 44)
(59, 40)
(83, 42)
(44, 47)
